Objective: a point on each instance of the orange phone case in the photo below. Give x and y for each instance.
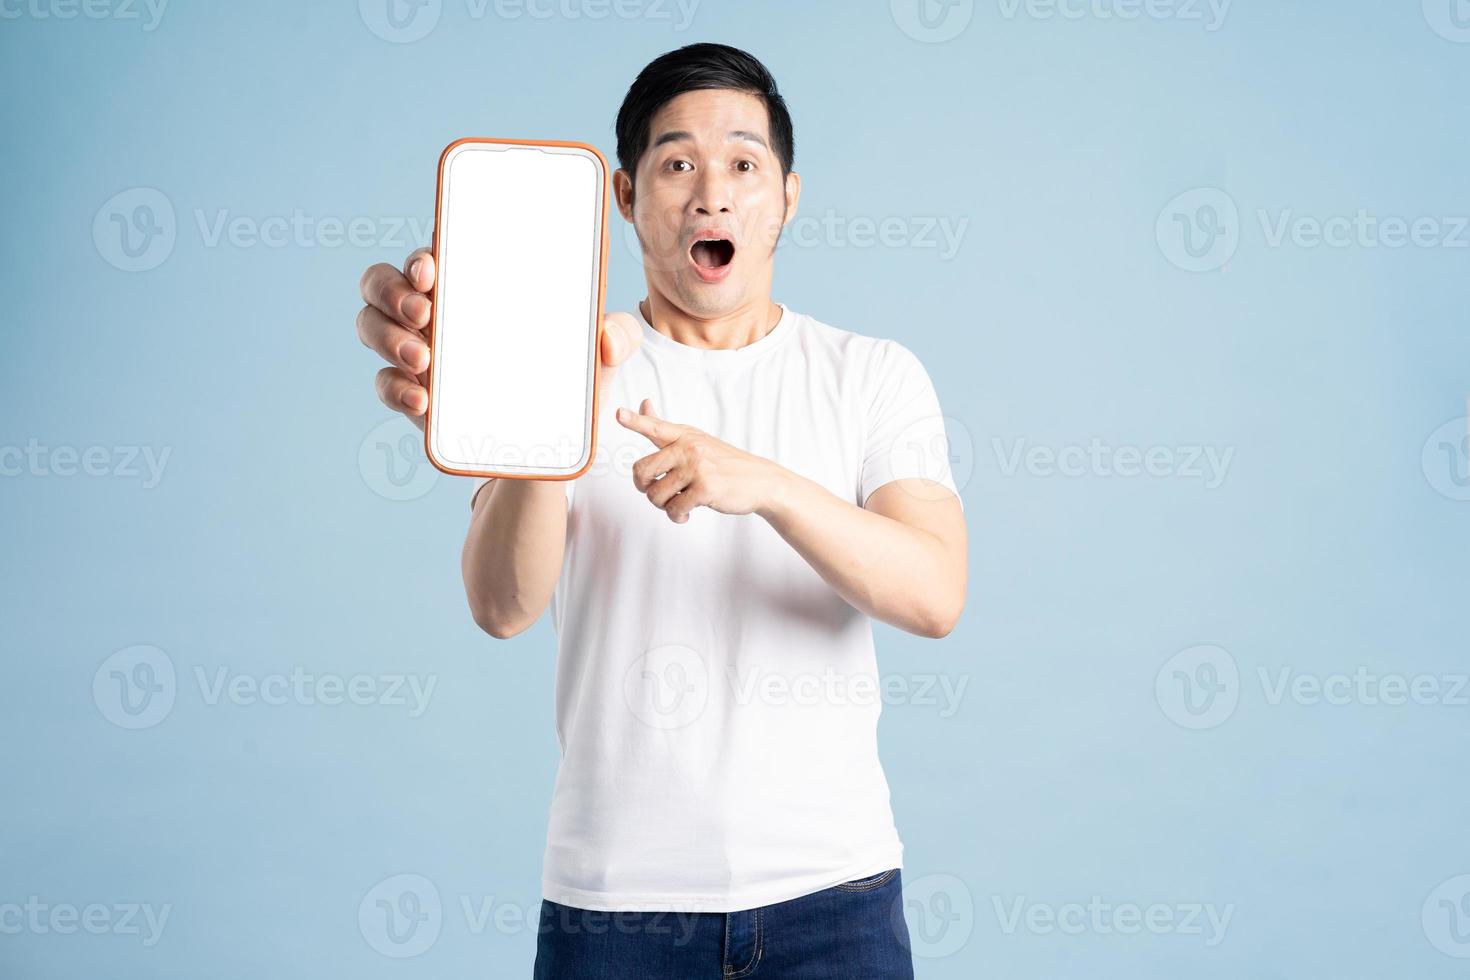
(601, 296)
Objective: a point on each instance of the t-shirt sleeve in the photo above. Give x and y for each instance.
(906, 438)
(481, 481)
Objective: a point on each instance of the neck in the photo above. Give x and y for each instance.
(740, 327)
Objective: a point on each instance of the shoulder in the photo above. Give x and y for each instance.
(860, 353)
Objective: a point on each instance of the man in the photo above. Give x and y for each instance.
(720, 810)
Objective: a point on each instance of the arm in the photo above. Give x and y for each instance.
(518, 529)
(513, 551)
(902, 558)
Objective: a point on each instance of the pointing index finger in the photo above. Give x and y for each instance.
(659, 432)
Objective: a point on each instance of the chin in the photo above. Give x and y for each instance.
(709, 299)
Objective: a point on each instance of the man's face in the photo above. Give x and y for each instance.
(709, 202)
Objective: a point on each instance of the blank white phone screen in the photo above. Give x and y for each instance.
(520, 232)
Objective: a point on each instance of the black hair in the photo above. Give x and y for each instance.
(694, 67)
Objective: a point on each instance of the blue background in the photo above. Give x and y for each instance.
(1335, 540)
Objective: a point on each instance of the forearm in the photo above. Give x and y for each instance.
(512, 553)
(896, 573)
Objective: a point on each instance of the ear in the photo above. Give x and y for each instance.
(793, 194)
(623, 193)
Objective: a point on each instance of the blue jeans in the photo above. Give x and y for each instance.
(852, 931)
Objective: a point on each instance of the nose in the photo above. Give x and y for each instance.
(712, 194)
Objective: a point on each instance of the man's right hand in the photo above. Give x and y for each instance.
(395, 323)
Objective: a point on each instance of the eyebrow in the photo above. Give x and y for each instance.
(675, 135)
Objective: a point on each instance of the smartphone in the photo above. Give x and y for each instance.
(520, 253)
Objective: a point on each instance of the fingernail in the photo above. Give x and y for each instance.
(414, 354)
(416, 308)
(413, 270)
(620, 414)
(411, 399)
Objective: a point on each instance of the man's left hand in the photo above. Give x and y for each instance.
(691, 468)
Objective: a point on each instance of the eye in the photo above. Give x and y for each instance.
(675, 164)
(745, 166)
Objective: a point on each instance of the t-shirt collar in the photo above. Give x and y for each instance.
(737, 355)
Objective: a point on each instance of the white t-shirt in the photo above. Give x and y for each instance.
(716, 701)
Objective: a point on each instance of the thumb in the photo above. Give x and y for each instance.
(646, 408)
(621, 336)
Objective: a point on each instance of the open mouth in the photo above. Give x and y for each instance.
(712, 256)
(712, 253)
